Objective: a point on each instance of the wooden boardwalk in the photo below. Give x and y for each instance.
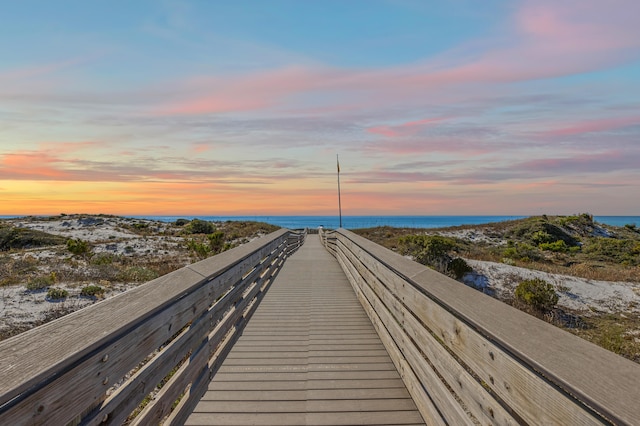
(309, 356)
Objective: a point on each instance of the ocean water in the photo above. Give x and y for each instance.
(355, 222)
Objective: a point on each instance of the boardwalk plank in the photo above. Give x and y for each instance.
(304, 406)
(308, 385)
(296, 395)
(309, 356)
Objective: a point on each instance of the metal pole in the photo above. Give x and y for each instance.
(339, 201)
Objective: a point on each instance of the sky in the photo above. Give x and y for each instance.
(456, 107)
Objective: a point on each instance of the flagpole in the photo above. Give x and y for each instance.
(339, 201)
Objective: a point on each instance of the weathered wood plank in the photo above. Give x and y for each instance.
(318, 362)
(295, 395)
(601, 380)
(421, 395)
(297, 419)
(303, 406)
(309, 385)
(474, 396)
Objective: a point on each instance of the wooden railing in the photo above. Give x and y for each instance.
(152, 349)
(469, 359)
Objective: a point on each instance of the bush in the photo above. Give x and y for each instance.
(539, 230)
(458, 267)
(55, 293)
(542, 237)
(216, 241)
(78, 247)
(92, 291)
(103, 259)
(427, 249)
(137, 274)
(200, 249)
(557, 246)
(611, 249)
(181, 222)
(198, 226)
(42, 282)
(581, 220)
(537, 293)
(612, 339)
(522, 251)
(510, 253)
(21, 238)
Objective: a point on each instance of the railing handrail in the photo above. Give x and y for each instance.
(62, 371)
(593, 384)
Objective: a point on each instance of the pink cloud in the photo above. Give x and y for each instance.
(593, 126)
(542, 39)
(199, 148)
(70, 147)
(31, 165)
(43, 69)
(253, 91)
(602, 162)
(405, 129)
(580, 25)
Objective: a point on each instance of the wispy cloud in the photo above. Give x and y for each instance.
(604, 162)
(48, 164)
(594, 126)
(40, 70)
(405, 129)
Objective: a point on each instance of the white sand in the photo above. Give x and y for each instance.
(106, 234)
(575, 293)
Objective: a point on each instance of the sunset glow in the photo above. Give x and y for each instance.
(239, 108)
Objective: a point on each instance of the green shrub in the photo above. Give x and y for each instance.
(510, 252)
(582, 220)
(21, 238)
(540, 230)
(458, 267)
(521, 251)
(55, 293)
(42, 282)
(201, 249)
(427, 249)
(612, 249)
(103, 259)
(78, 247)
(198, 226)
(137, 274)
(181, 222)
(612, 339)
(216, 241)
(556, 246)
(537, 293)
(92, 291)
(542, 237)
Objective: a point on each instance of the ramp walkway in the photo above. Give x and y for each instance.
(308, 356)
(296, 329)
